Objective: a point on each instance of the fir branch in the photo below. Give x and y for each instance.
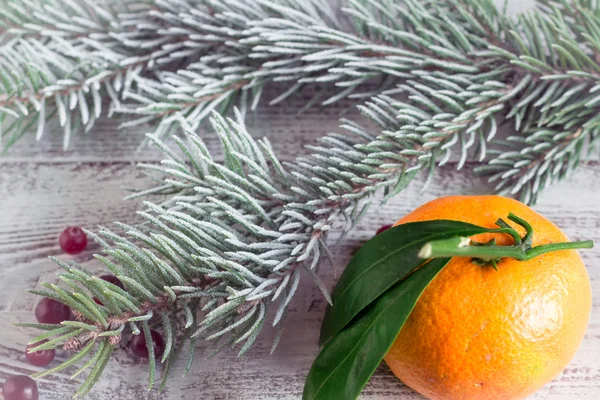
(69, 20)
(524, 166)
(64, 62)
(40, 81)
(272, 42)
(237, 236)
(561, 42)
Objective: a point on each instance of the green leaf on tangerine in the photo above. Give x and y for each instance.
(381, 263)
(344, 366)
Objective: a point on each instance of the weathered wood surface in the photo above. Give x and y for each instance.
(43, 189)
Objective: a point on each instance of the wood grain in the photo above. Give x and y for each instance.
(37, 200)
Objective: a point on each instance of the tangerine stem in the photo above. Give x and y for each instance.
(527, 239)
(461, 247)
(547, 248)
(506, 228)
(491, 253)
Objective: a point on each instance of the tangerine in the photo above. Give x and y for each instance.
(478, 333)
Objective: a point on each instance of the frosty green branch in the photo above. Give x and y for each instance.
(242, 49)
(236, 237)
(299, 44)
(228, 53)
(62, 61)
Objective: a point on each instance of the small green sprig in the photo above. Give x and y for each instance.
(490, 253)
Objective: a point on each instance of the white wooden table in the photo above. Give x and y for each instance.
(43, 189)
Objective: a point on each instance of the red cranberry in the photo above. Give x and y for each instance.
(111, 279)
(140, 349)
(49, 311)
(39, 358)
(383, 229)
(20, 387)
(73, 240)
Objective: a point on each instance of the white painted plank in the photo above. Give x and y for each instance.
(37, 201)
